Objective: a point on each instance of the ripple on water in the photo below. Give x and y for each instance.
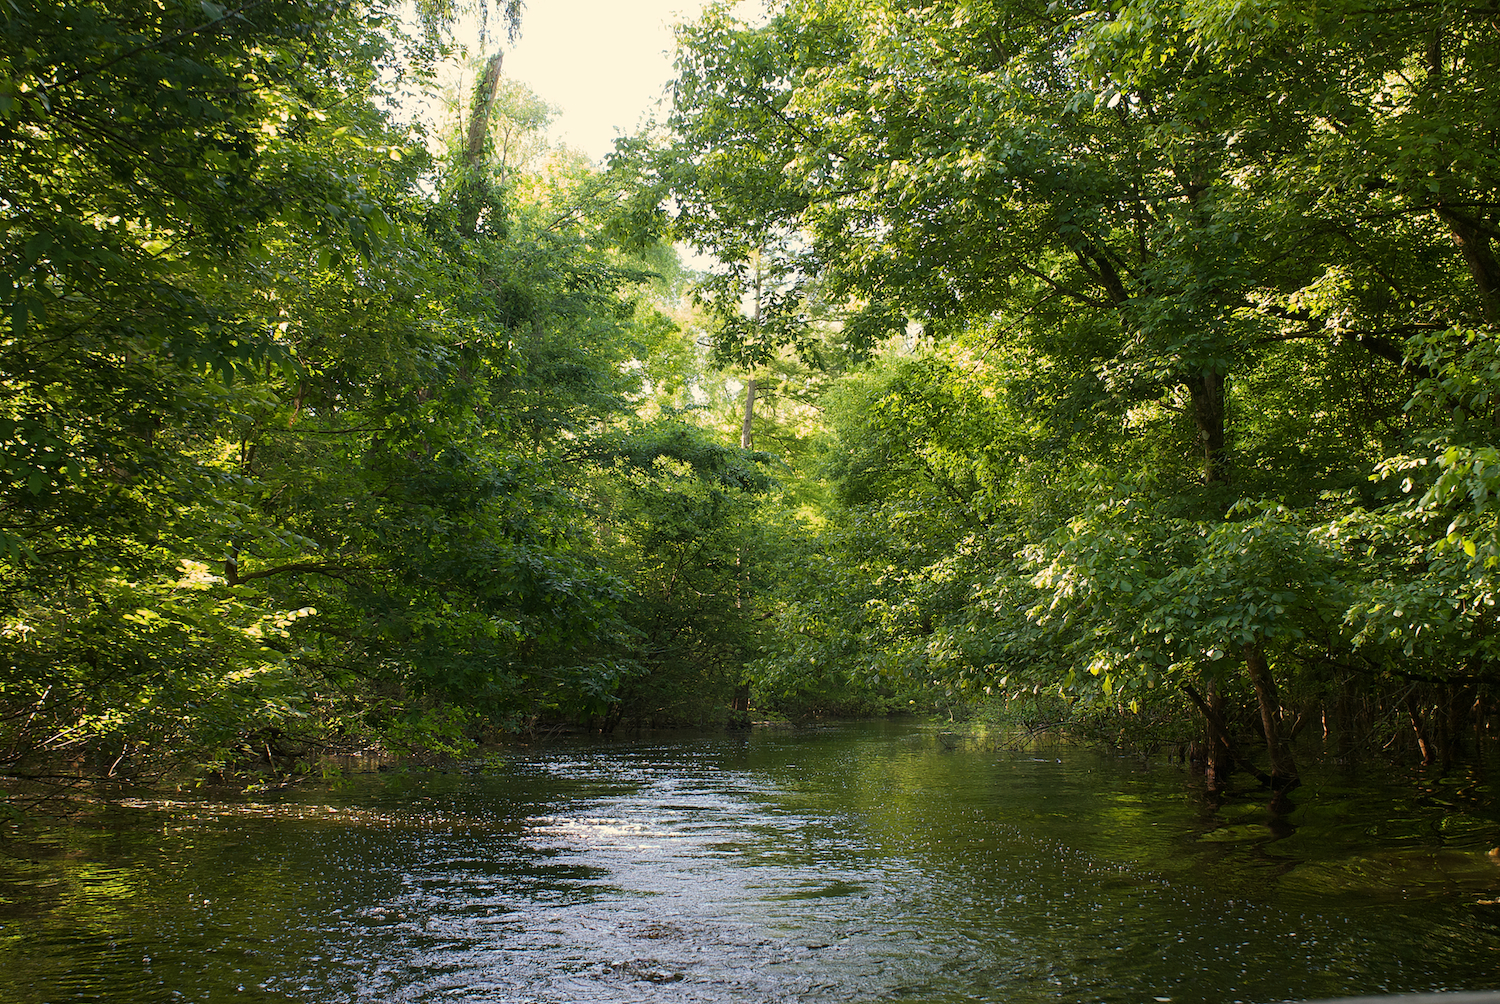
(863, 863)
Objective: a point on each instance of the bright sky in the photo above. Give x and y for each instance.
(604, 62)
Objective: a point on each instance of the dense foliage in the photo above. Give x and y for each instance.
(1185, 316)
(1140, 357)
(320, 429)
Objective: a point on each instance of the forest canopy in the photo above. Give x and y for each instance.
(1183, 318)
(322, 426)
(1133, 360)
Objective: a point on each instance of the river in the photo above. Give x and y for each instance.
(869, 862)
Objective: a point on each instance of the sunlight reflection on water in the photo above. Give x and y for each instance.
(857, 863)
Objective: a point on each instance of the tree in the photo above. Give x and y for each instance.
(147, 150)
(1183, 242)
(295, 412)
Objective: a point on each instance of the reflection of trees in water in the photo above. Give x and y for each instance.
(857, 860)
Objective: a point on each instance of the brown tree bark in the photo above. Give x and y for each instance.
(1475, 242)
(1472, 232)
(1458, 700)
(1219, 764)
(1222, 755)
(1283, 767)
(1424, 740)
(1206, 393)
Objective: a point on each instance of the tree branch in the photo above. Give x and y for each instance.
(186, 33)
(1217, 723)
(233, 578)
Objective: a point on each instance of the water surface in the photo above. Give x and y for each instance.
(869, 862)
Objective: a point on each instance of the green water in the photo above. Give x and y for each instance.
(868, 862)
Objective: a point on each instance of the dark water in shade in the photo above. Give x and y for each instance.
(864, 863)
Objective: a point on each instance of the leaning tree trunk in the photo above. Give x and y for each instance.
(1472, 228)
(472, 191)
(486, 89)
(1419, 727)
(1283, 767)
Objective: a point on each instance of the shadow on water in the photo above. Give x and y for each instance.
(870, 862)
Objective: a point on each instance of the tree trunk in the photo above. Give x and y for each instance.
(471, 196)
(739, 707)
(1424, 741)
(1219, 764)
(485, 91)
(1222, 756)
(1456, 704)
(747, 427)
(1283, 767)
(1473, 240)
(1206, 393)
(1471, 232)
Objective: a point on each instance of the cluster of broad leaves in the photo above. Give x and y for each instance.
(1183, 317)
(309, 431)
